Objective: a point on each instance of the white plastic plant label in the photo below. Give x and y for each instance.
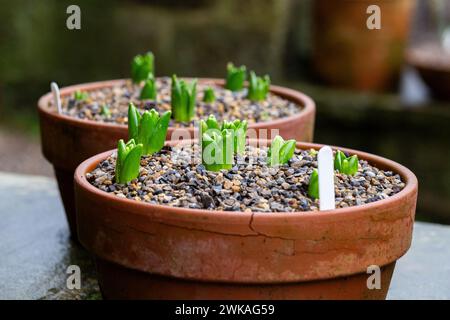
(326, 179)
(56, 96)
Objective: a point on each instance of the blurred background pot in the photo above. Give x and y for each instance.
(67, 141)
(433, 65)
(429, 51)
(348, 54)
(146, 251)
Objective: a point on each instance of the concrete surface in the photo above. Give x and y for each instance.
(35, 250)
(22, 153)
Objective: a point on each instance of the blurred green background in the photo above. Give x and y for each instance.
(301, 43)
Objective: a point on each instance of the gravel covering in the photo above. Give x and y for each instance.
(228, 105)
(171, 178)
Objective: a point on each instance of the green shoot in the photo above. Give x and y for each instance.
(80, 95)
(345, 165)
(280, 151)
(128, 161)
(313, 187)
(258, 87)
(217, 149)
(104, 111)
(209, 96)
(183, 98)
(235, 77)
(141, 67)
(150, 129)
(149, 89)
(238, 129)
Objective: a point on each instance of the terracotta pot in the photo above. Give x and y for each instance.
(67, 141)
(348, 54)
(146, 251)
(434, 74)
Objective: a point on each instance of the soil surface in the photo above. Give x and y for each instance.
(228, 105)
(176, 177)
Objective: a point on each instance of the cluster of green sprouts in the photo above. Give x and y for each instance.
(258, 87)
(342, 163)
(235, 77)
(104, 111)
(183, 99)
(128, 160)
(148, 91)
(142, 70)
(209, 96)
(147, 134)
(220, 142)
(184, 95)
(80, 95)
(148, 129)
(280, 151)
(142, 67)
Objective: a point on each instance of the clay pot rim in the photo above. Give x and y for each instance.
(295, 96)
(420, 64)
(411, 185)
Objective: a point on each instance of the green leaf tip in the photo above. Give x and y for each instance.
(80, 95)
(149, 89)
(141, 67)
(280, 151)
(128, 161)
(344, 164)
(104, 111)
(258, 87)
(210, 123)
(209, 95)
(183, 99)
(313, 187)
(235, 77)
(148, 129)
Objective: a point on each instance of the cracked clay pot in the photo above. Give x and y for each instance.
(146, 251)
(67, 141)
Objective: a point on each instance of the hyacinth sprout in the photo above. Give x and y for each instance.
(344, 164)
(128, 161)
(148, 129)
(149, 89)
(235, 77)
(280, 151)
(217, 149)
(313, 187)
(80, 95)
(209, 95)
(183, 99)
(142, 67)
(258, 87)
(237, 127)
